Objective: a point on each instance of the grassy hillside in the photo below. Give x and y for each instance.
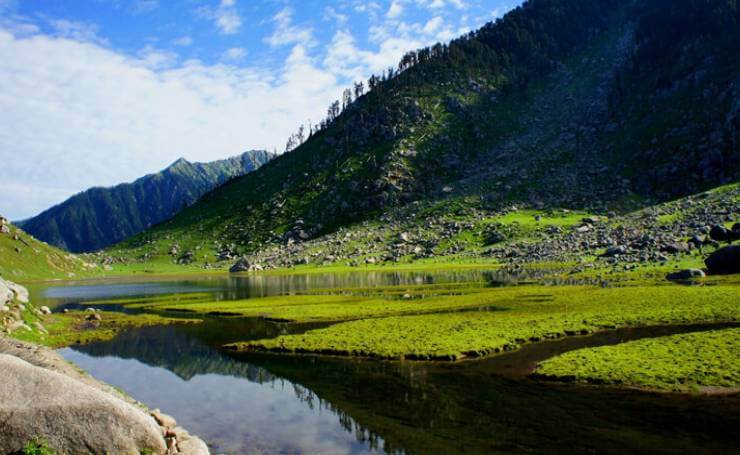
(588, 107)
(23, 258)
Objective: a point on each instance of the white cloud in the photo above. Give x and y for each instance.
(183, 41)
(234, 54)
(286, 33)
(332, 15)
(77, 114)
(152, 57)
(395, 10)
(76, 30)
(439, 4)
(225, 16)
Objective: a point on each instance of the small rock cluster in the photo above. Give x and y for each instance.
(13, 303)
(178, 440)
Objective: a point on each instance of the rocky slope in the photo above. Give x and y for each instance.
(598, 106)
(100, 217)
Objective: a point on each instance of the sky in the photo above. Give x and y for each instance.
(100, 92)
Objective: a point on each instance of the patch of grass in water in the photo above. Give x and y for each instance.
(682, 362)
(65, 329)
(526, 316)
(312, 308)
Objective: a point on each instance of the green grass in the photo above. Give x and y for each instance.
(678, 363)
(28, 259)
(318, 307)
(66, 329)
(524, 314)
(37, 447)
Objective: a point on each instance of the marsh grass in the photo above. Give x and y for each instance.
(682, 362)
(526, 314)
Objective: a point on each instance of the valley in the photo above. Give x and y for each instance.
(522, 240)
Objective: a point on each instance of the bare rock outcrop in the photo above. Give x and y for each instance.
(70, 416)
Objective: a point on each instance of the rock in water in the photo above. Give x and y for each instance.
(72, 417)
(689, 274)
(724, 261)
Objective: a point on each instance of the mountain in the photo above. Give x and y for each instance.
(99, 217)
(593, 105)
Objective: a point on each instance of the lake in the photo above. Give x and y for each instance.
(260, 403)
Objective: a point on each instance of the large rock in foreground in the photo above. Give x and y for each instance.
(724, 261)
(71, 416)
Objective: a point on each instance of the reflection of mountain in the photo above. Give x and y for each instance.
(457, 408)
(173, 348)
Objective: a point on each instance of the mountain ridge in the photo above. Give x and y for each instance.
(101, 216)
(560, 104)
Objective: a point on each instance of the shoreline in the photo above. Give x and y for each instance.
(176, 439)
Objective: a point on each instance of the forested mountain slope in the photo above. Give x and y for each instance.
(100, 217)
(598, 105)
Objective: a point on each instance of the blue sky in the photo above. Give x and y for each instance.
(98, 92)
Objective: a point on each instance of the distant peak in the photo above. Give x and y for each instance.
(179, 162)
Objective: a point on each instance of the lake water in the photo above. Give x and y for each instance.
(261, 403)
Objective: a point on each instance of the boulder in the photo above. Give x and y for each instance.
(6, 295)
(724, 261)
(193, 446)
(615, 251)
(72, 417)
(10, 291)
(720, 233)
(677, 247)
(242, 265)
(688, 274)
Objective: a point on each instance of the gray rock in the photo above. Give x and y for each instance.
(243, 265)
(615, 251)
(724, 261)
(720, 233)
(21, 293)
(72, 417)
(193, 446)
(688, 274)
(163, 419)
(6, 295)
(674, 248)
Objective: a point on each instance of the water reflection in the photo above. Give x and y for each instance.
(229, 287)
(284, 404)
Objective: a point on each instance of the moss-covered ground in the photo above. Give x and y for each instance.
(685, 362)
(522, 314)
